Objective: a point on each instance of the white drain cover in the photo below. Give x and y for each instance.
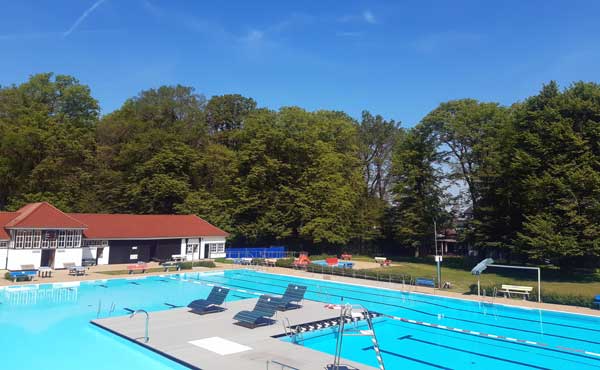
(220, 345)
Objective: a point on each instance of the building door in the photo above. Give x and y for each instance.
(47, 257)
(206, 250)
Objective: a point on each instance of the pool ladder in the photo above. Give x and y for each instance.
(146, 337)
(346, 315)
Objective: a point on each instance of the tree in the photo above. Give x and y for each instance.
(558, 171)
(377, 139)
(418, 196)
(462, 127)
(47, 141)
(225, 114)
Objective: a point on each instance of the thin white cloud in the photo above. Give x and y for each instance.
(369, 17)
(82, 17)
(254, 36)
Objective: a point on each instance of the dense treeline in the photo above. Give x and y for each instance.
(530, 173)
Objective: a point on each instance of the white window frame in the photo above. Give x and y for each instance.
(215, 248)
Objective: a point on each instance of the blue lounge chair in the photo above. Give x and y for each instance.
(293, 293)
(596, 302)
(212, 303)
(260, 315)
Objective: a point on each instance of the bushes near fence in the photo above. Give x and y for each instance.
(547, 296)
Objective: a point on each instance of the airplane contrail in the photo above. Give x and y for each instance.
(83, 17)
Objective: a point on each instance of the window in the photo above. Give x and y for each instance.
(3, 244)
(28, 239)
(192, 248)
(47, 239)
(94, 243)
(216, 248)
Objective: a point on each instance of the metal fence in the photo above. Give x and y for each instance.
(257, 252)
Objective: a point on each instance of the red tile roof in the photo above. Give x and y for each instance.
(120, 226)
(5, 217)
(107, 226)
(43, 215)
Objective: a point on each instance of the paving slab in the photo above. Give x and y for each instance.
(170, 333)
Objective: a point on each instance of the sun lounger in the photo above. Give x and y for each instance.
(293, 293)
(212, 303)
(596, 302)
(425, 282)
(382, 261)
(265, 309)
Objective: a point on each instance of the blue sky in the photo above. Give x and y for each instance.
(395, 58)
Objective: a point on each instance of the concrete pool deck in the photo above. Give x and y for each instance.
(171, 332)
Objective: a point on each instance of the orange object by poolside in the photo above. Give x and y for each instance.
(331, 261)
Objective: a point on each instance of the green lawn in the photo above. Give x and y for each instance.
(461, 279)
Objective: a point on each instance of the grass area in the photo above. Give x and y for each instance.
(462, 279)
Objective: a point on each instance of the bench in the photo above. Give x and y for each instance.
(272, 262)
(140, 267)
(507, 290)
(425, 282)
(26, 275)
(171, 264)
(382, 261)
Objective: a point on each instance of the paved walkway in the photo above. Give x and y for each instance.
(94, 273)
(171, 332)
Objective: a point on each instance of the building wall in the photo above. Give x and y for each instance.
(67, 255)
(105, 256)
(18, 257)
(132, 251)
(204, 248)
(3, 254)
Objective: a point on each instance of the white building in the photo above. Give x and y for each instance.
(39, 234)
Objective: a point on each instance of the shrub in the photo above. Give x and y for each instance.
(188, 265)
(547, 297)
(223, 260)
(284, 262)
(7, 276)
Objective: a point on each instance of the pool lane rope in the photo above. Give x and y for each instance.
(424, 323)
(477, 333)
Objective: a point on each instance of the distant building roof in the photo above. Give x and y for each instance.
(107, 226)
(43, 215)
(123, 226)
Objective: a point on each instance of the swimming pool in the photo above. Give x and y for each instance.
(443, 333)
(341, 264)
(47, 326)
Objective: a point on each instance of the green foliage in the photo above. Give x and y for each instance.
(284, 262)
(318, 180)
(418, 198)
(189, 264)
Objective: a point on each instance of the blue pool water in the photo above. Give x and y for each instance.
(341, 264)
(47, 326)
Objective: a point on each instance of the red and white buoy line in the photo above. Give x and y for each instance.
(479, 334)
